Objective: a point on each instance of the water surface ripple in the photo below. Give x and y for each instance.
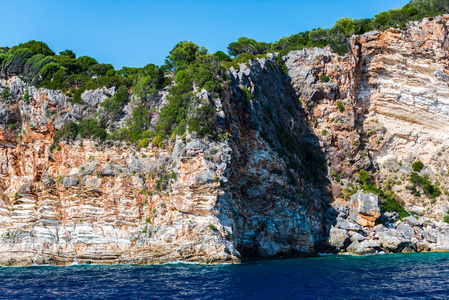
(392, 276)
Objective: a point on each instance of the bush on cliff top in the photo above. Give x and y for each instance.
(337, 36)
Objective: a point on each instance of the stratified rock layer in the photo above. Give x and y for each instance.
(261, 190)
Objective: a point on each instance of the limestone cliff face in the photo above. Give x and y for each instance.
(292, 145)
(196, 200)
(394, 92)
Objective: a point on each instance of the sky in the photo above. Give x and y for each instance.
(134, 33)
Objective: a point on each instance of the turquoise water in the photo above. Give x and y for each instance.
(392, 276)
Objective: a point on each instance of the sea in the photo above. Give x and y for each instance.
(381, 276)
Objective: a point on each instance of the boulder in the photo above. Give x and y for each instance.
(430, 235)
(357, 237)
(391, 215)
(348, 225)
(338, 238)
(411, 221)
(442, 242)
(70, 181)
(405, 230)
(365, 247)
(391, 242)
(364, 208)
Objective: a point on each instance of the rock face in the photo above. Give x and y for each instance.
(364, 208)
(278, 183)
(409, 235)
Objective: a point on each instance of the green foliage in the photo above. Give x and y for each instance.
(389, 203)
(182, 55)
(26, 96)
(6, 93)
(77, 95)
(115, 104)
(247, 45)
(222, 56)
(40, 65)
(35, 47)
(193, 66)
(151, 80)
(337, 36)
(281, 65)
(242, 58)
(213, 227)
(325, 78)
(363, 176)
(446, 217)
(417, 166)
(90, 128)
(424, 183)
(137, 128)
(87, 128)
(340, 106)
(68, 53)
(201, 120)
(84, 62)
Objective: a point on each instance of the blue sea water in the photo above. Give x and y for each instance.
(391, 276)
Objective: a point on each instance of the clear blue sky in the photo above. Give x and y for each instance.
(134, 33)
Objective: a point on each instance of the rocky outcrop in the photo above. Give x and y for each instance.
(278, 181)
(196, 200)
(389, 234)
(364, 208)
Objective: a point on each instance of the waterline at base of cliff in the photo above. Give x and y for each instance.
(417, 276)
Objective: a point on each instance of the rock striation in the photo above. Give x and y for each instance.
(280, 182)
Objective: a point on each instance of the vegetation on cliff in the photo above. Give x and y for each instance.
(337, 36)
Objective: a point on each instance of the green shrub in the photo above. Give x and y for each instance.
(26, 97)
(325, 78)
(281, 65)
(424, 183)
(417, 166)
(212, 227)
(340, 106)
(6, 93)
(87, 128)
(446, 217)
(77, 95)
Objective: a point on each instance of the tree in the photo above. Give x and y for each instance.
(69, 63)
(99, 69)
(318, 34)
(68, 53)
(35, 47)
(182, 55)
(222, 56)
(246, 45)
(85, 62)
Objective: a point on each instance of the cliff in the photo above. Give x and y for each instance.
(272, 186)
